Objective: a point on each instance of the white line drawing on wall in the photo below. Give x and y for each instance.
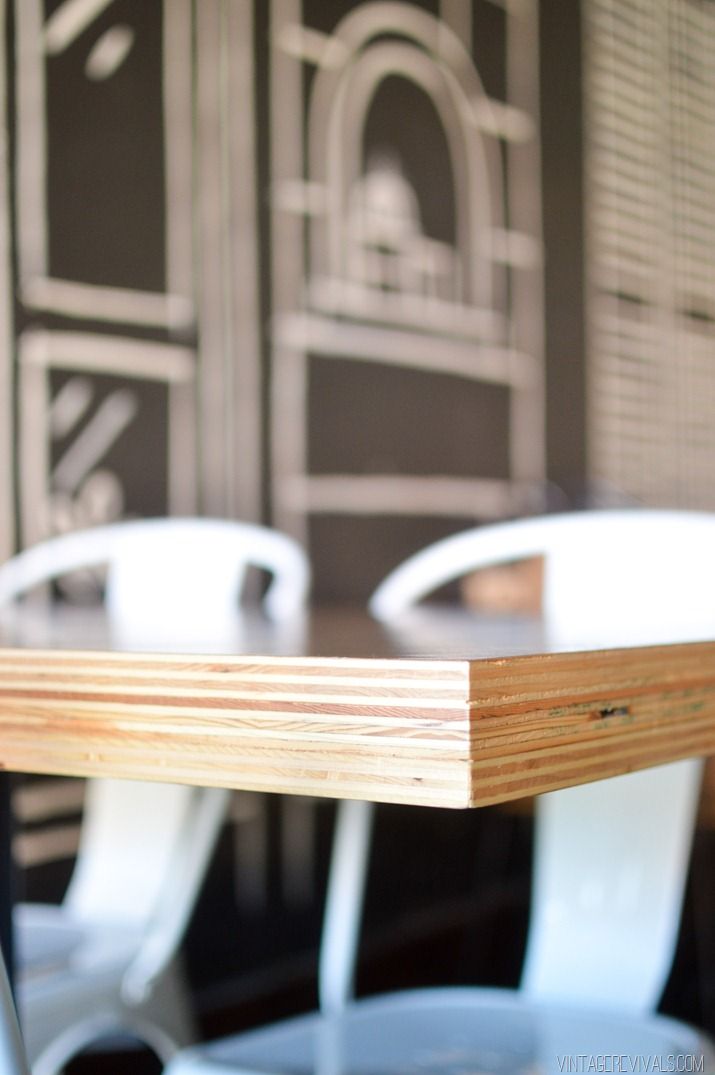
(172, 311)
(36, 41)
(374, 494)
(355, 275)
(228, 300)
(73, 17)
(112, 417)
(47, 491)
(114, 304)
(70, 20)
(82, 492)
(109, 53)
(69, 406)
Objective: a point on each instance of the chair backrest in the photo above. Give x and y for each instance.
(610, 858)
(143, 853)
(171, 580)
(620, 577)
(610, 865)
(129, 843)
(144, 847)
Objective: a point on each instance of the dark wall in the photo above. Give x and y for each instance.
(110, 145)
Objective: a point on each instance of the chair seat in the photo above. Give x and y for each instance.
(456, 1031)
(69, 977)
(50, 942)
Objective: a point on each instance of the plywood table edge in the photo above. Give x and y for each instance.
(547, 721)
(393, 730)
(441, 732)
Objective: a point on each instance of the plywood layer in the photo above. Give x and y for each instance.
(550, 721)
(433, 732)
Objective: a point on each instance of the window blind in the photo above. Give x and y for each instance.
(649, 96)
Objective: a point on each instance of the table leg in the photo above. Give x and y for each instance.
(6, 872)
(12, 1053)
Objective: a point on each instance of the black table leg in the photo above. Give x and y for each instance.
(6, 871)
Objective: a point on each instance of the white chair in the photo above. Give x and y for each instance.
(106, 958)
(171, 580)
(610, 858)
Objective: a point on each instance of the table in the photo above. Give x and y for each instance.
(450, 710)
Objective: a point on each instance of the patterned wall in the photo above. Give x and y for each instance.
(407, 366)
(105, 363)
(650, 91)
(283, 261)
(276, 261)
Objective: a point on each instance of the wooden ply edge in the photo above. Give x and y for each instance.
(141, 662)
(538, 770)
(451, 792)
(621, 665)
(525, 784)
(570, 718)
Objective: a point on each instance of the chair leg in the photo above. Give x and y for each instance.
(344, 903)
(298, 838)
(249, 817)
(169, 1009)
(12, 1051)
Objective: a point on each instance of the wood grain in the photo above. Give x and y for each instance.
(432, 732)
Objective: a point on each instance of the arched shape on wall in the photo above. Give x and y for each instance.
(469, 168)
(430, 55)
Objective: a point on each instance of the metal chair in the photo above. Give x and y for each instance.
(106, 959)
(610, 858)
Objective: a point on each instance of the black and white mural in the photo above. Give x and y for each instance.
(407, 379)
(105, 363)
(277, 261)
